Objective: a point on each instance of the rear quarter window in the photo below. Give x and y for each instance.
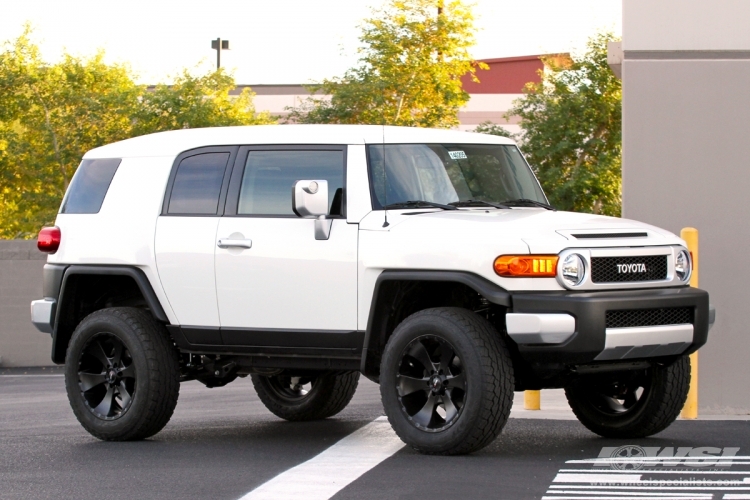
(89, 186)
(197, 184)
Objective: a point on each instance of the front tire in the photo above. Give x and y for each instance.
(306, 398)
(122, 374)
(632, 405)
(446, 381)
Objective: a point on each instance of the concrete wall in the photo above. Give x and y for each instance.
(686, 159)
(21, 282)
(685, 25)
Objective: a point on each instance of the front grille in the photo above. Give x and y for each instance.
(649, 317)
(624, 269)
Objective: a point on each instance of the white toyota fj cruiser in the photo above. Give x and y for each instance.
(304, 255)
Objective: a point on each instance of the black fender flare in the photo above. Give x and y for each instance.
(487, 289)
(138, 276)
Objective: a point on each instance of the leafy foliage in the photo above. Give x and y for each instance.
(572, 131)
(196, 101)
(51, 114)
(409, 69)
(493, 129)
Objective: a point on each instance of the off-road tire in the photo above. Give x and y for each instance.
(157, 375)
(659, 405)
(329, 394)
(488, 372)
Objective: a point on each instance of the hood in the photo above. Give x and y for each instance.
(544, 231)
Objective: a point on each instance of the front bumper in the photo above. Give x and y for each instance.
(537, 323)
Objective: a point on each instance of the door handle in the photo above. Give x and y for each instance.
(229, 243)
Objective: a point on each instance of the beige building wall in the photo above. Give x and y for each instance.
(686, 159)
(481, 107)
(21, 282)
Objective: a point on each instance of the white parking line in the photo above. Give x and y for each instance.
(326, 474)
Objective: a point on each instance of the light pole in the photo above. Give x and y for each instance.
(219, 45)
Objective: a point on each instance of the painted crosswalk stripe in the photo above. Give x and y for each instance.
(326, 474)
(623, 495)
(605, 497)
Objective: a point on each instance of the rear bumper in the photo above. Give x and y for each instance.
(43, 311)
(43, 314)
(585, 337)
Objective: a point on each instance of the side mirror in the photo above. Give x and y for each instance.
(310, 199)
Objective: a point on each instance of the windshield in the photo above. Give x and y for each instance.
(442, 173)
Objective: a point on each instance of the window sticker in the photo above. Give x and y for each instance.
(457, 155)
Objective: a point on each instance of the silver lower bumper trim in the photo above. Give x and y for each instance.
(540, 328)
(43, 314)
(646, 341)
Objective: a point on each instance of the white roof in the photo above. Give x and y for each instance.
(175, 142)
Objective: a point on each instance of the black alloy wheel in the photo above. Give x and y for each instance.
(431, 384)
(631, 404)
(106, 376)
(122, 374)
(446, 381)
(306, 397)
(618, 398)
(291, 389)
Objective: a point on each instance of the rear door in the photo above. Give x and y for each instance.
(281, 286)
(186, 238)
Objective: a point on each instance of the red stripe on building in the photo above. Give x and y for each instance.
(508, 75)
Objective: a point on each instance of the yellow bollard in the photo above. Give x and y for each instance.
(690, 410)
(532, 400)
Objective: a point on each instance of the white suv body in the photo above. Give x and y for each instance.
(228, 271)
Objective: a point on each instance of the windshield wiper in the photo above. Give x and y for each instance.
(526, 201)
(473, 203)
(419, 203)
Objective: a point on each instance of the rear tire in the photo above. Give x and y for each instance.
(306, 398)
(636, 405)
(446, 381)
(122, 374)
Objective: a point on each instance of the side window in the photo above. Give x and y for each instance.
(197, 184)
(89, 186)
(269, 176)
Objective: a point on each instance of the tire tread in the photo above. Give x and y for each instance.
(163, 373)
(662, 409)
(497, 393)
(336, 393)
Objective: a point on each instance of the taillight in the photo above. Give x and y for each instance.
(48, 240)
(526, 266)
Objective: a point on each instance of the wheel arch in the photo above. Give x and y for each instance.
(86, 289)
(400, 293)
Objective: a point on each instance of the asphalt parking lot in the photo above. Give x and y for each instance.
(223, 444)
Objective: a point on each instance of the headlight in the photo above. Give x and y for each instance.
(682, 266)
(573, 269)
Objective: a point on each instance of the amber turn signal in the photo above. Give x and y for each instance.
(526, 266)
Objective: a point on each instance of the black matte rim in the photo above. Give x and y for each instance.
(291, 389)
(106, 376)
(619, 398)
(431, 384)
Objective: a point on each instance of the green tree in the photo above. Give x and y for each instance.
(572, 123)
(197, 101)
(51, 114)
(493, 129)
(413, 55)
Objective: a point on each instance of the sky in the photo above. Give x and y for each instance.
(278, 41)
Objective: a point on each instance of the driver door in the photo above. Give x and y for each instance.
(276, 284)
